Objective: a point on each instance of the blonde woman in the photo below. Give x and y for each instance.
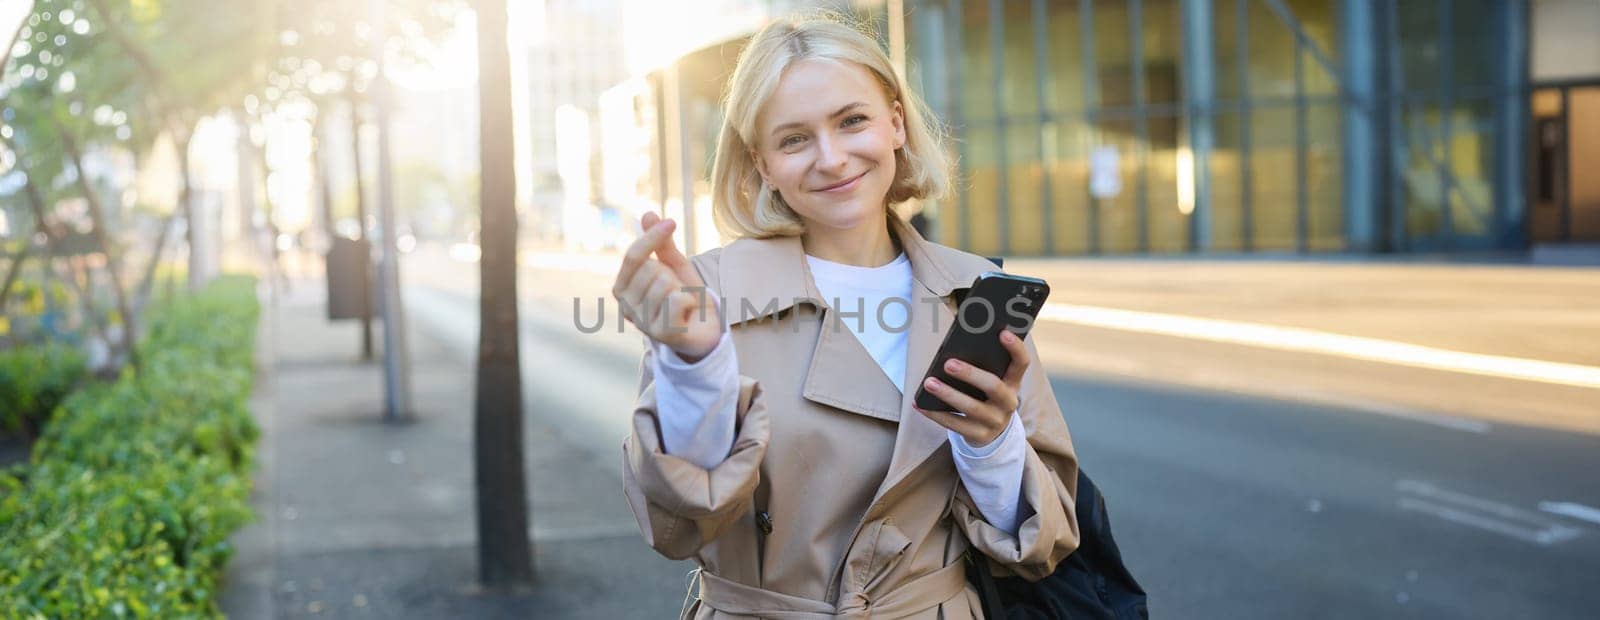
(775, 440)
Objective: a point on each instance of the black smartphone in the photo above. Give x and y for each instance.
(996, 301)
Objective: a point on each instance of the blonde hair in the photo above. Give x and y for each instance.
(740, 205)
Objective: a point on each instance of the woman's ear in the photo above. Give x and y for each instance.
(897, 116)
(761, 167)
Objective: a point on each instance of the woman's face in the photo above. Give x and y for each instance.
(826, 140)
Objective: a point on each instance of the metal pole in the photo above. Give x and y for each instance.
(1447, 105)
(933, 58)
(1302, 142)
(1141, 121)
(1091, 101)
(678, 149)
(1362, 165)
(1511, 113)
(895, 16)
(958, 123)
(1041, 78)
(1199, 51)
(1002, 139)
(1564, 169)
(396, 358)
(1398, 140)
(1246, 182)
(365, 240)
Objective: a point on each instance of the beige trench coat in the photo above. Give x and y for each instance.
(865, 515)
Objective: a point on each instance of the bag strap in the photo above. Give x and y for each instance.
(988, 593)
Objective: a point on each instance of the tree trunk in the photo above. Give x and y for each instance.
(113, 263)
(42, 224)
(324, 187)
(81, 278)
(361, 232)
(505, 554)
(268, 213)
(186, 202)
(14, 270)
(141, 296)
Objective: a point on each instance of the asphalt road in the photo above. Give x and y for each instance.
(1243, 483)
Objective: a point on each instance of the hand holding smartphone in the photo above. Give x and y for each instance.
(997, 301)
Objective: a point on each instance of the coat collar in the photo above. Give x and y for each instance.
(773, 275)
(764, 271)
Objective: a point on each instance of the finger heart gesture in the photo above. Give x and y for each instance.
(664, 296)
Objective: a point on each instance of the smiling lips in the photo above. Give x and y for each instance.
(843, 186)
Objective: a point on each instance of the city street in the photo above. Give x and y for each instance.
(1323, 317)
(1243, 481)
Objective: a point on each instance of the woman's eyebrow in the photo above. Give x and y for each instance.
(796, 124)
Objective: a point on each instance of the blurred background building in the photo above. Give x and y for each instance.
(1180, 126)
(574, 53)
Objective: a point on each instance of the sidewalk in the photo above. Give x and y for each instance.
(358, 518)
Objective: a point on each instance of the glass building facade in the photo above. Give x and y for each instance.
(1086, 127)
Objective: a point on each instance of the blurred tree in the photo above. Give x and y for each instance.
(505, 554)
(324, 54)
(193, 58)
(17, 36)
(53, 234)
(14, 269)
(46, 113)
(86, 78)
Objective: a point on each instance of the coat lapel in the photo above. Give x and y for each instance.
(936, 277)
(844, 375)
(772, 275)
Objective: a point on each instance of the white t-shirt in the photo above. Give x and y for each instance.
(861, 293)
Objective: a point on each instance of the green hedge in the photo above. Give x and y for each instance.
(134, 487)
(33, 380)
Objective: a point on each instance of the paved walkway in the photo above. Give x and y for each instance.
(358, 518)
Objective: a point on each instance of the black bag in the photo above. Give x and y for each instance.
(1091, 583)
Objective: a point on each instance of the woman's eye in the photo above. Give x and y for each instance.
(854, 120)
(791, 141)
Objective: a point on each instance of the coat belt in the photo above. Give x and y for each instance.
(909, 598)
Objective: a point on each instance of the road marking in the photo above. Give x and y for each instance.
(1572, 509)
(1312, 341)
(1544, 537)
(1482, 514)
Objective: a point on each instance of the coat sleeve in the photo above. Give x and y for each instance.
(681, 506)
(1049, 532)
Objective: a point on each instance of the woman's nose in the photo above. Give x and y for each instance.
(831, 155)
